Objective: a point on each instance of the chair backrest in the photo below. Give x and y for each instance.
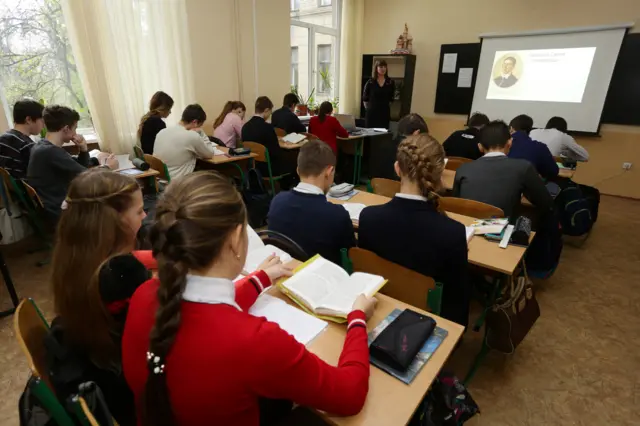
(403, 284)
(387, 187)
(6, 182)
(470, 208)
(259, 149)
(138, 152)
(453, 163)
(157, 164)
(285, 243)
(31, 192)
(31, 329)
(280, 132)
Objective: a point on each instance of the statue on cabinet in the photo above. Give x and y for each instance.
(404, 44)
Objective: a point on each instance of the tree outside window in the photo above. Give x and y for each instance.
(324, 68)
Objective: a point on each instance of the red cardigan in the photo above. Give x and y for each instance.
(328, 130)
(224, 359)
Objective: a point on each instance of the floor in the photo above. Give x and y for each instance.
(578, 366)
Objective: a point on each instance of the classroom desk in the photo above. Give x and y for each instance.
(143, 175)
(225, 159)
(389, 401)
(482, 252)
(358, 150)
(226, 164)
(72, 148)
(566, 173)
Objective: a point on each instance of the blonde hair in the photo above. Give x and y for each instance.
(421, 160)
(159, 104)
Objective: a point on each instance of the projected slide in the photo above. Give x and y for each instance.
(547, 75)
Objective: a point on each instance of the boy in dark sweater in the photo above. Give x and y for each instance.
(16, 144)
(464, 143)
(305, 215)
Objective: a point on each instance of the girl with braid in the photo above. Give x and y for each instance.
(410, 230)
(193, 355)
(152, 122)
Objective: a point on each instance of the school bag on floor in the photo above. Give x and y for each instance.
(574, 210)
(448, 403)
(256, 198)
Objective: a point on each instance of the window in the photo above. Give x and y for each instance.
(315, 33)
(324, 68)
(295, 5)
(294, 66)
(36, 60)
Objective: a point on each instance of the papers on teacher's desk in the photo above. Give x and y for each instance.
(258, 252)
(294, 138)
(302, 326)
(354, 210)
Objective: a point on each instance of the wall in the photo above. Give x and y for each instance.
(436, 22)
(222, 47)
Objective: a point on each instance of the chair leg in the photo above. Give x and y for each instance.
(10, 288)
(482, 354)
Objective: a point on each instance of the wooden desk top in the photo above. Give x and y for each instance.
(566, 173)
(363, 135)
(482, 252)
(289, 145)
(390, 401)
(224, 159)
(145, 174)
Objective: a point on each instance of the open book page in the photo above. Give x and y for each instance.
(302, 326)
(256, 257)
(294, 138)
(354, 210)
(315, 282)
(341, 300)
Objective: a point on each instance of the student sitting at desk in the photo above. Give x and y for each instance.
(558, 141)
(500, 180)
(531, 150)
(410, 230)
(305, 215)
(190, 348)
(153, 121)
(16, 144)
(285, 117)
(228, 125)
(51, 168)
(464, 143)
(181, 145)
(411, 124)
(327, 128)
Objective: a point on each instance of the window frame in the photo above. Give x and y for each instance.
(334, 31)
(321, 3)
(294, 65)
(293, 5)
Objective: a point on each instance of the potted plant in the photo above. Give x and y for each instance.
(303, 107)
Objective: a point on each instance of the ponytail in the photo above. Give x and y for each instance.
(228, 107)
(325, 109)
(160, 102)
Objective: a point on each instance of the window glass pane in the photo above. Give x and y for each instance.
(36, 60)
(295, 5)
(325, 67)
(300, 52)
(317, 12)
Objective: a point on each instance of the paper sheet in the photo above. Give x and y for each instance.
(217, 151)
(124, 162)
(465, 76)
(449, 63)
(354, 210)
(302, 326)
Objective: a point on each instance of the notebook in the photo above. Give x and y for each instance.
(489, 226)
(326, 290)
(131, 172)
(258, 252)
(425, 353)
(302, 326)
(294, 138)
(354, 210)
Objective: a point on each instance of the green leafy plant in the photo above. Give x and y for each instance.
(335, 102)
(325, 75)
(310, 99)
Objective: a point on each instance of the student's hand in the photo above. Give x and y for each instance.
(112, 162)
(365, 304)
(274, 268)
(80, 142)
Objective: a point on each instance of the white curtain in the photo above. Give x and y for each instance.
(126, 50)
(351, 42)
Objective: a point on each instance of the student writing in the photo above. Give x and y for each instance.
(285, 117)
(305, 215)
(531, 150)
(327, 128)
(228, 125)
(411, 231)
(16, 144)
(190, 348)
(153, 121)
(555, 136)
(464, 143)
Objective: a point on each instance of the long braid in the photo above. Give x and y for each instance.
(421, 159)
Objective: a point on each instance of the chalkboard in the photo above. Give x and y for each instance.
(451, 99)
(622, 105)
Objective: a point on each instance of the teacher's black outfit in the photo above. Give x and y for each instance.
(378, 98)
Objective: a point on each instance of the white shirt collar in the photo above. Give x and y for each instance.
(213, 291)
(505, 76)
(411, 196)
(307, 188)
(495, 154)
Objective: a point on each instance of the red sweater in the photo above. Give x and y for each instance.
(328, 130)
(224, 359)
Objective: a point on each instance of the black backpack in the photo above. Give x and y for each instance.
(574, 209)
(256, 198)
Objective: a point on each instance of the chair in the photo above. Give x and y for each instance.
(83, 413)
(138, 152)
(284, 243)
(263, 157)
(453, 163)
(35, 207)
(30, 329)
(387, 187)
(403, 284)
(157, 164)
(470, 208)
(280, 132)
(8, 282)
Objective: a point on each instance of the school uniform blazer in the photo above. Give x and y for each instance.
(258, 130)
(413, 234)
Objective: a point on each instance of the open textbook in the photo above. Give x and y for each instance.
(294, 138)
(326, 290)
(258, 252)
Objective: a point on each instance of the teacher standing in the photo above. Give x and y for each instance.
(377, 96)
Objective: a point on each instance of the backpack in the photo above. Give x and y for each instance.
(574, 210)
(448, 403)
(30, 412)
(256, 198)
(592, 195)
